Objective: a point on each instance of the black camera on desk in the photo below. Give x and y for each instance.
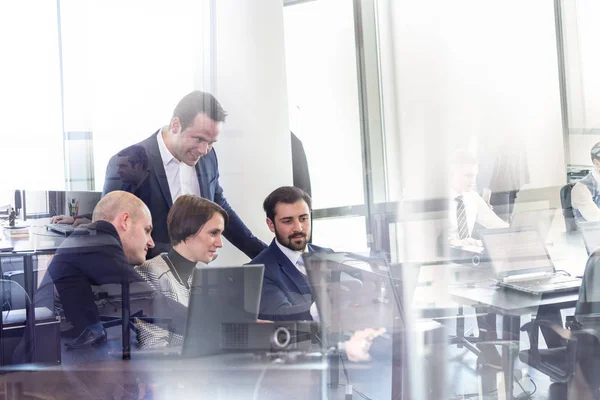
(268, 337)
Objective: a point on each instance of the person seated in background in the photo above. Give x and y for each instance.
(103, 252)
(286, 295)
(585, 195)
(195, 227)
(467, 210)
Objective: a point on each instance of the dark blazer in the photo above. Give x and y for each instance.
(157, 196)
(94, 256)
(286, 295)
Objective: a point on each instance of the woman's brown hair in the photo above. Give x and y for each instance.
(188, 215)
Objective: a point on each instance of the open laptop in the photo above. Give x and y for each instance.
(590, 231)
(345, 306)
(539, 219)
(521, 262)
(220, 295)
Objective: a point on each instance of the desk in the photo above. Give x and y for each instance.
(511, 305)
(39, 242)
(229, 376)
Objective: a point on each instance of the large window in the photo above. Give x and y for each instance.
(122, 84)
(30, 101)
(324, 111)
(323, 98)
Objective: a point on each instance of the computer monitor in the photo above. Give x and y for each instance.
(590, 231)
(351, 292)
(220, 295)
(44, 204)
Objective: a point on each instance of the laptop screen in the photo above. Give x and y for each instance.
(591, 236)
(516, 251)
(220, 295)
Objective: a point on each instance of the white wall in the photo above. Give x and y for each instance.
(254, 146)
(579, 148)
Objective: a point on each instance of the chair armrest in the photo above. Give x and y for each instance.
(532, 328)
(569, 335)
(559, 330)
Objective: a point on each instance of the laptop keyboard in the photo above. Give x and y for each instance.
(552, 280)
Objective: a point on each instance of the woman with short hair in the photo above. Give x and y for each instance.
(195, 227)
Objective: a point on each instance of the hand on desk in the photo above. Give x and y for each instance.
(81, 222)
(62, 219)
(65, 219)
(357, 348)
(467, 242)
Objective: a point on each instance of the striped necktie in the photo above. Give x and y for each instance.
(461, 218)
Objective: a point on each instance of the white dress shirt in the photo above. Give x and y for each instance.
(296, 258)
(181, 177)
(476, 209)
(581, 199)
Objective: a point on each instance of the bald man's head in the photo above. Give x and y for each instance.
(116, 203)
(132, 220)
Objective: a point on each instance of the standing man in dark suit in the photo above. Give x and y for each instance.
(181, 160)
(286, 295)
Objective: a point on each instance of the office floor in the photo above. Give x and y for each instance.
(466, 381)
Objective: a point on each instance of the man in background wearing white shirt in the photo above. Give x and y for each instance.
(286, 294)
(467, 209)
(585, 195)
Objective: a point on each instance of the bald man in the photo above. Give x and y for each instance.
(103, 252)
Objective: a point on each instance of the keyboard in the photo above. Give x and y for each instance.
(549, 284)
(61, 229)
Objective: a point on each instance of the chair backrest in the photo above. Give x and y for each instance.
(587, 309)
(567, 207)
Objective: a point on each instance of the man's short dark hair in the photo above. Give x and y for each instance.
(196, 103)
(595, 152)
(287, 195)
(188, 215)
(136, 154)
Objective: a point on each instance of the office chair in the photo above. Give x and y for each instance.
(582, 344)
(567, 207)
(112, 295)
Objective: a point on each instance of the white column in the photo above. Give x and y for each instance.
(254, 145)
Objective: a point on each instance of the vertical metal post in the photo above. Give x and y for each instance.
(562, 79)
(30, 307)
(364, 119)
(125, 315)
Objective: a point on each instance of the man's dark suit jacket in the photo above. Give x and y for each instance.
(94, 256)
(286, 295)
(157, 196)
